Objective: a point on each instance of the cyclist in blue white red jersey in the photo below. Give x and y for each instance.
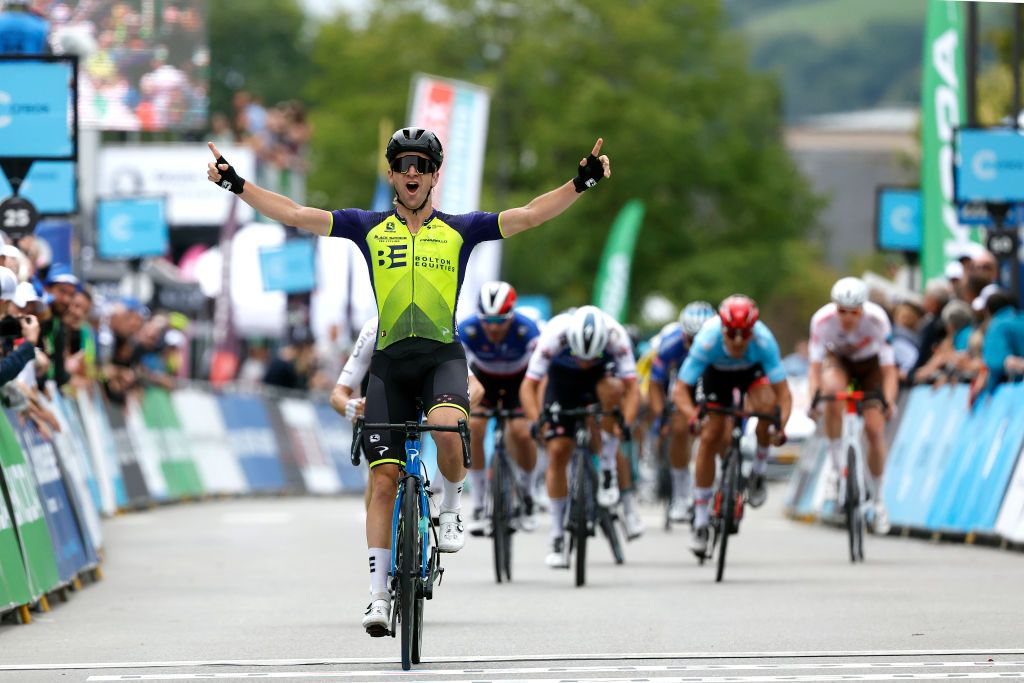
(673, 345)
(498, 342)
(733, 351)
(587, 358)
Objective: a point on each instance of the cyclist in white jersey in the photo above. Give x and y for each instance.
(587, 358)
(851, 340)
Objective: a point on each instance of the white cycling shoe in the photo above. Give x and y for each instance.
(634, 526)
(699, 541)
(880, 519)
(679, 511)
(452, 534)
(608, 490)
(556, 557)
(377, 618)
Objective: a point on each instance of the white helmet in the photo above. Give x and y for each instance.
(496, 298)
(695, 315)
(588, 332)
(849, 292)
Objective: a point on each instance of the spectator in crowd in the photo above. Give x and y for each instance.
(947, 360)
(16, 354)
(254, 366)
(23, 31)
(126, 319)
(954, 273)
(984, 266)
(796, 363)
(1003, 346)
(61, 284)
(292, 366)
(937, 294)
(220, 129)
(906, 318)
(149, 357)
(81, 339)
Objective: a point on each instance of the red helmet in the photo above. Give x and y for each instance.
(738, 312)
(496, 298)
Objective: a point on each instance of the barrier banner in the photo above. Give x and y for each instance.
(27, 508)
(65, 534)
(803, 484)
(922, 451)
(252, 441)
(13, 581)
(136, 491)
(146, 447)
(74, 418)
(1010, 523)
(204, 429)
(75, 469)
(337, 432)
(286, 453)
(308, 444)
(176, 459)
(987, 447)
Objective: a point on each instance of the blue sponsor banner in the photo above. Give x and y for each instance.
(68, 543)
(976, 213)
(922, 451)
(289, 268)
(35, 101)
(131, 227)
(253, 441)
(57, 234)
(899, 220)
(538, 302)
(989, 165)
(50, 185)
(338, 436)
(109, 448)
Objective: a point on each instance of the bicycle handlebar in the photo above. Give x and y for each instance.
(410, 428)
(499, 412)
(858, 398)
(594, 409)
(774, 417)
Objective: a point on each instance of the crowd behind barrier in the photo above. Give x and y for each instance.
(159, 446)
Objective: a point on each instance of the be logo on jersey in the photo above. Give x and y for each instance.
(394, 257)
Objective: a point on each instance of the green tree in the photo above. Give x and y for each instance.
(257, 45)
(689, 128)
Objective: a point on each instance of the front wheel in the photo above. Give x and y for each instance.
(853, 507)
(408, 567)
(730, 491)
(500, 518)
(580, 499)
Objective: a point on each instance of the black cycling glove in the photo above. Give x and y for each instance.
(589, 174)
(229, 179)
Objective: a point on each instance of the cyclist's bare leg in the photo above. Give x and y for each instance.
(833, 380)
(679, 443)
(521, 447)
(559, 454)
(477, 474)
(711, 438)
(610, 392)
(449, 454)
(874, 428)
(384, 486)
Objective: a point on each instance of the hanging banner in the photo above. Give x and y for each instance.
(943, 110)
(611, 289)
(29, 518)
(457, 112)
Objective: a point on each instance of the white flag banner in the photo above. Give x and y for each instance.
(457, 112)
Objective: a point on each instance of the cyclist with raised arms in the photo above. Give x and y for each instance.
(673, 345)
(417, 258)
(733, 351)
(851, 341)
(499, 341)
(587, 358)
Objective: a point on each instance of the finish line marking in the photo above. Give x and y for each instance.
(602, 657)
(993, 675)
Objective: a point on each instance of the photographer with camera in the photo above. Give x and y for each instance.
(18, 334)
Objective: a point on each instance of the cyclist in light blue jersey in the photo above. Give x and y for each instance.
(734, 351)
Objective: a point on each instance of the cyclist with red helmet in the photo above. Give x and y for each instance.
(498, 342)
(733, 351)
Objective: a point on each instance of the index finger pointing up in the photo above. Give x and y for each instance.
(216, 152)
(597, 146)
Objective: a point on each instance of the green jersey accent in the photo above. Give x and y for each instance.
(416, 278)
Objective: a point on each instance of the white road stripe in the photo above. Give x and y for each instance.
(599, 657)
(982, 675)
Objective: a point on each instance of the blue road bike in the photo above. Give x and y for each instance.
(415, 559)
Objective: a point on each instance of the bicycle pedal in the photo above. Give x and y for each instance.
(377, 631)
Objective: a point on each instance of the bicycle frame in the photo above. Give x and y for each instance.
(413, 468)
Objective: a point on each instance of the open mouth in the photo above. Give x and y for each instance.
(412, 186)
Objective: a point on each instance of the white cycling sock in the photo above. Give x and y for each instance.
(835, 453)
(874, 487)
(628, 502)
(451, 501)
(609, 449)
(701, 506)
(680, 482)
(558, 516)
(760, 464)
(525, 481)
(380, 565)
(478, 486)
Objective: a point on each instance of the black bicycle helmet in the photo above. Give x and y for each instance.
(415, 140)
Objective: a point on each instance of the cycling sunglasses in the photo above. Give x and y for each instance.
(495, 319)
(735, 333)
(403, 164)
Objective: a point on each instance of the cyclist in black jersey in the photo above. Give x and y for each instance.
(417, 256)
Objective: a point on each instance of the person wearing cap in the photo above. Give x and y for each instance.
(15, 357)
(11, 258)
(61, 283)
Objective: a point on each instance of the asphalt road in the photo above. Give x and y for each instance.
(275, 588)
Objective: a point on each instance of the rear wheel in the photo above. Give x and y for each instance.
(408, 567)
(730, 489)
(580, 499)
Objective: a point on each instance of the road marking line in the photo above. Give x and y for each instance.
(667, 679)
(600, 657)
(256, 518)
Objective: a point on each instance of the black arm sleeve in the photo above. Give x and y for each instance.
(12, 365)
